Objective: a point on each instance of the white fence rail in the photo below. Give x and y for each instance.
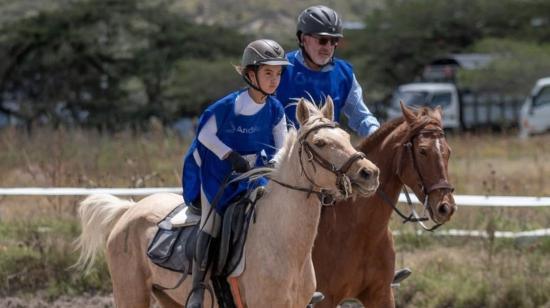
(495, 201)
(482, 233)
(77, 191)
(461, 200)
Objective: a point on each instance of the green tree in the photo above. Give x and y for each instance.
(108, 63)
(516, 67)
(400, 39)
(403, 36)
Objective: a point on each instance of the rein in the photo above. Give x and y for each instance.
(442, 184)
(342, 180)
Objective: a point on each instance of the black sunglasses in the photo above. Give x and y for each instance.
(323, 40)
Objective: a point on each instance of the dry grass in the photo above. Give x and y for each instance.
(500, 165)
(35, 232)
(83, 159)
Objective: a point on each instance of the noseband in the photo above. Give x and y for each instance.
(343, 183)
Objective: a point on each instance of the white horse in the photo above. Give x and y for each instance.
(317, 163)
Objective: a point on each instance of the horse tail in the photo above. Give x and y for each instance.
(98, 215)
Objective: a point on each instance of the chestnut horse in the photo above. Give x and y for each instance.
(316, 165)
(353, 254)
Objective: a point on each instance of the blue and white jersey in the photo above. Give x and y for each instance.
(337, 80)
(244, 134)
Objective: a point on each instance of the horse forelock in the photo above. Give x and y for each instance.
(313, 121)
(427, 117)
(312, 106)
(430, 115)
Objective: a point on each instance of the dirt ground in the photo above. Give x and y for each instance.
(86, 302)
(62, 302)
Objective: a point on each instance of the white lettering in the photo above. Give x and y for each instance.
(249, 130)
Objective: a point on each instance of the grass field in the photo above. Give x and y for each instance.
(36, 233)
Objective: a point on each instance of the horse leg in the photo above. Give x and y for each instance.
(378, 295)
(131, 288)
(310, 280)
(165, 300)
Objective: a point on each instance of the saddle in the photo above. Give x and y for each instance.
(173, 245)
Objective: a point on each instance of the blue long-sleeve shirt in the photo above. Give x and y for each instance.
(336, 79)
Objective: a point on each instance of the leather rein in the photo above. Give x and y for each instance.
(343, 183)
(442, 184)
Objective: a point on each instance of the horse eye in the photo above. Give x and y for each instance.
(423, 152)
(320, 143)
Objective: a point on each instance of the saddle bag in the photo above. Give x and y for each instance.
(172, 248)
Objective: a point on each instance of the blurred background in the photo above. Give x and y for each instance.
(105, 93)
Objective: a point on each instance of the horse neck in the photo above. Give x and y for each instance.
(293, 216)
(383, 155)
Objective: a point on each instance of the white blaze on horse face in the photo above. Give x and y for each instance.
(438, 147)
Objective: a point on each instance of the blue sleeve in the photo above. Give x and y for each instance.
(360, 119)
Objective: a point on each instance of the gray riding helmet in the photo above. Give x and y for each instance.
(264, 52)
(320, 20)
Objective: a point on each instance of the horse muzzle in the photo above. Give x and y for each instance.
(444, 209)
(365, 181)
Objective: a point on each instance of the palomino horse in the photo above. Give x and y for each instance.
(279, 268)
(353, 254)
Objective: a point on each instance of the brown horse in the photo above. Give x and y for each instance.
(353, 253)
(317, 163)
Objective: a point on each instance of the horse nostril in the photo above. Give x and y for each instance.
(443, 209)
(365, 174)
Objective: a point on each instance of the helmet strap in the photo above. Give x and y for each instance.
(258, 87)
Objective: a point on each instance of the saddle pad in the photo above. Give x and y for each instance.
(184, 218)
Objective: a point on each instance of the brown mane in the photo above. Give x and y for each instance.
(424, 115)
(378, 136)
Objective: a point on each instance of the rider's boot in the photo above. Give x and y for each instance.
(316, 298)
(200, 267)
(401, 275)
(195, 207)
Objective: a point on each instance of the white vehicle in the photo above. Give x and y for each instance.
(430, 95)
(535, 112)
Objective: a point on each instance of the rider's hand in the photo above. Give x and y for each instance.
(238, 163)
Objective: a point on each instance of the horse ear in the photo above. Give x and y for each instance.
(407, 113)
(328, 109)
(302, 112)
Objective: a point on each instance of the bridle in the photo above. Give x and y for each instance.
(343, 183)
(441, 184)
